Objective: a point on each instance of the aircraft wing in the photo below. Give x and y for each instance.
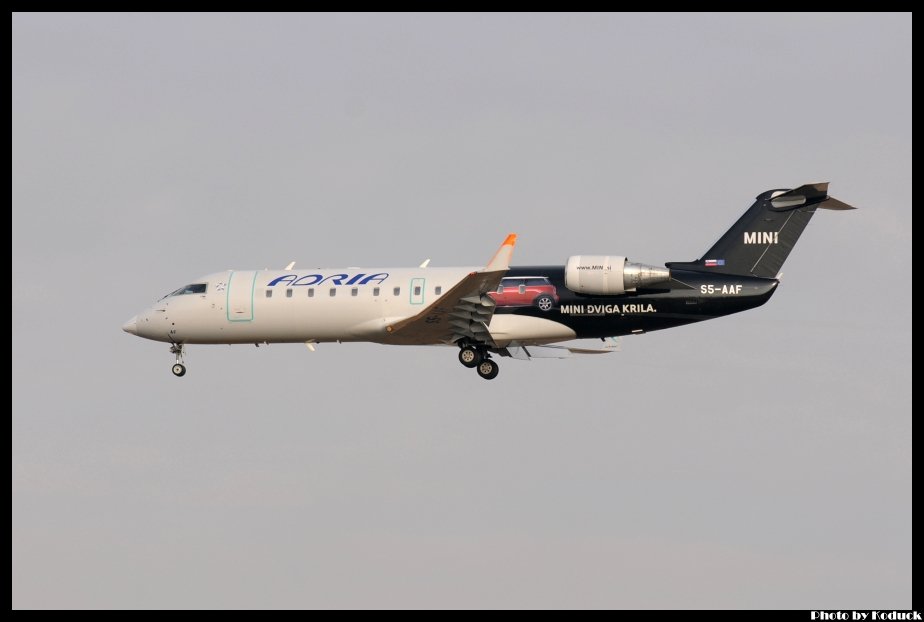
(463, 312)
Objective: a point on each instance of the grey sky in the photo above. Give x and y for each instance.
(762, 460)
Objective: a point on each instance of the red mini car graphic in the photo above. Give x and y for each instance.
(523, 291)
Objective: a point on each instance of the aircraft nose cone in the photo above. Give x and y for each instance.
(131, 326)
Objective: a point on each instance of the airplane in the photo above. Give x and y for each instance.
(496, 309)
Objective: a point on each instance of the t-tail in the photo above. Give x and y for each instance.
(763, 237)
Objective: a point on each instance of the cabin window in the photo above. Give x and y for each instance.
(333, 292)
(269, 293)
(311, 292)
(417, 290)
(438, 290)
(375, 291)
(397, 291)
(354, 291)
(289, 293)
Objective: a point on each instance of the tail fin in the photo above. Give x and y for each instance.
(763, 237)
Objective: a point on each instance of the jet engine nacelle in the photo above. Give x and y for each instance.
(609, 275)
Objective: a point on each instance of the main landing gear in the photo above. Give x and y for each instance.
(470, 356)
(478, 357)
(488, 369)
(178, 368)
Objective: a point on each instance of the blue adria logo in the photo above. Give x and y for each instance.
(334, 279)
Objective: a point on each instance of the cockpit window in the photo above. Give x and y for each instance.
(195, 288)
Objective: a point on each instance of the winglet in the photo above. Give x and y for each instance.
(501, 259)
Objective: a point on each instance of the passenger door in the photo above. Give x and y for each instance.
(239, 303)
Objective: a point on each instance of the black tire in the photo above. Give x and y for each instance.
(179, 370)
(544, 302)
(470, 357)
(488, 369)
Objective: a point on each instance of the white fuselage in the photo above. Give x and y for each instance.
(314, 305)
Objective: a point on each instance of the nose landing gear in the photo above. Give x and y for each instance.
(178, 368)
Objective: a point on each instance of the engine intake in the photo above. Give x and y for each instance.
(609, 275)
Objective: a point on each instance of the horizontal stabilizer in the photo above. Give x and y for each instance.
(807, 194)
(832, 203)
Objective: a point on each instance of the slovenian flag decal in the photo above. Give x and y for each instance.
(712, 263)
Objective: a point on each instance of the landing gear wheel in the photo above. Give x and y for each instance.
(178, 368)
(470, 357)
(544, 302)
(488, 369)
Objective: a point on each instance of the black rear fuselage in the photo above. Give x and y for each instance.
(689, 296)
